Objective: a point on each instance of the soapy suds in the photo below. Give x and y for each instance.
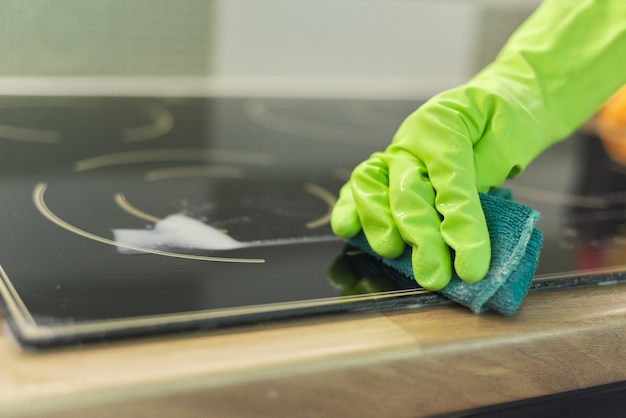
(180, 231)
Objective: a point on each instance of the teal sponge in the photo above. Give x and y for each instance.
(515, 248)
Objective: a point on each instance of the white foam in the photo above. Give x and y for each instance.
(180, 231)
(177, 231)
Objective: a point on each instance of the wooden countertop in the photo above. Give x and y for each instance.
(403, 363)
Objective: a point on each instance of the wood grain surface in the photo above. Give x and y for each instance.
(409, 363)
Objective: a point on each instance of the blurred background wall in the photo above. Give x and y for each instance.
(411, 48)
(105, 37)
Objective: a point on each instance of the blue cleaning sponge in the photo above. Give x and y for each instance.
(515, 247)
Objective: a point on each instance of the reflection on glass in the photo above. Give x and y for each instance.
(598, 232)
(356, 273)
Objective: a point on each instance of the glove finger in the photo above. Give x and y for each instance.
(344, 219)
(370, 191)
(463, 227)
(492, 166)
(412, 201)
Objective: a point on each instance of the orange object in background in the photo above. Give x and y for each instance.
(610, 124)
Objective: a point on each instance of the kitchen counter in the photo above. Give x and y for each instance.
(398, 363)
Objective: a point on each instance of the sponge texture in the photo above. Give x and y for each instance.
(515, 248)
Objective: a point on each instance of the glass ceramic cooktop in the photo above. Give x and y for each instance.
(131, 216)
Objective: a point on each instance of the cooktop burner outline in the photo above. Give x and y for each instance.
(195, 171)
(175, 154)
(122, 202)
(224, 171)
(126, 206)
(40, 204)
(312, 188)
(161, 121)
(327, 197)
(262, 114)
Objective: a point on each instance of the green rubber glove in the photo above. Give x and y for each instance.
(552, 75)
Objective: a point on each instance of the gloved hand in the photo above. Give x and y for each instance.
(554, 72)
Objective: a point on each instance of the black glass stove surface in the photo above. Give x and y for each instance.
(129, 216)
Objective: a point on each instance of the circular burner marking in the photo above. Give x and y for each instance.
(40, 204)
(327, 197)
(162, 122)
(41, 136)
(125, 205)
(197, 171)
(129, 208)
(175, 154)
(261, 114)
